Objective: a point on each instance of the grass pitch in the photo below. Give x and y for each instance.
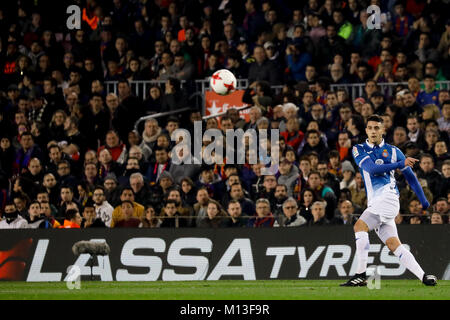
(225, 290)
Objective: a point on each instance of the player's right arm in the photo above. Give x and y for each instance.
(365, 162)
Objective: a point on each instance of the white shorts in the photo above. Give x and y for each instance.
(386, 206)
(384, 230)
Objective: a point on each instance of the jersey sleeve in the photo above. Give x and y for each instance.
(359, 154)
(400, 157)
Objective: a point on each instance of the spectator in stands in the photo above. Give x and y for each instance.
(200, 207)
(288, 175)
(116, 149)
(128, 219)
(234, 220)
(297, 59)
(35, 172)
(415, 133)
(328, 176)
(318, 213)
(316, 183)
(90, 218)
(72, 220)
(291, 217)
(276, 202)
(46, 210)
(314, 143)
(264, 217)
(103, 209)
(149, 220)
(263, 69)
(431, 137)
(307, 198)
(12, 219)
(65, 176)
(153, 103)
(180, 69)
(348, 173)
(215, 216)
(36, 219)
(436, 218)
(128, 196)
(441, 206)
(429, 95)
(293, 135)
(174, 97)
(28, 151)
(430, 112)
(247, 205)
(345, 213)
(428, 172)
(400, 137)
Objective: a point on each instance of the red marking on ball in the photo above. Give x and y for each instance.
(216, 77)
(229, 87)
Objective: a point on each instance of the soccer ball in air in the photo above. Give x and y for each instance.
(223, 82)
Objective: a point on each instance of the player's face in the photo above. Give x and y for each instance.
(374, 132)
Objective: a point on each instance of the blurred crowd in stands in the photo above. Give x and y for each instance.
(70, 155)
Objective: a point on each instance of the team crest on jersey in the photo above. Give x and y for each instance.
(355, 151)
(385, 153)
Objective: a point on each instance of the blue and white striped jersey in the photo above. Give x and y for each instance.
(377, 184)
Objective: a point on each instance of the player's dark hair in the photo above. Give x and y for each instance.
(375, 118)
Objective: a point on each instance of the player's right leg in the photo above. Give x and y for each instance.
(367, 222)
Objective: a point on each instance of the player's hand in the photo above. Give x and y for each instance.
(410, 162)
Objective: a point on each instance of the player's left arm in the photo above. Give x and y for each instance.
(415, 186)
(413, 181)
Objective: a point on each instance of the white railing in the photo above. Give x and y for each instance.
(357, 89)
(142, 88)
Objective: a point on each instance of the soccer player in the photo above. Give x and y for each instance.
(378, 161)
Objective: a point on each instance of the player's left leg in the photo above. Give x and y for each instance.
(387, 233)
